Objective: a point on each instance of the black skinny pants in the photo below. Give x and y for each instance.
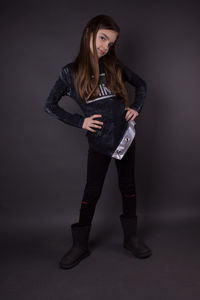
(97, 166)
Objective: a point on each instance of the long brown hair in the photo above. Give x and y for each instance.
(85, 65)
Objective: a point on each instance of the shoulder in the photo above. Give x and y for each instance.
(125, 70)
(67, 68)
(128, 74)
(66, 73)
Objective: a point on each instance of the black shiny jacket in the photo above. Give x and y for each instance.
(112, 109)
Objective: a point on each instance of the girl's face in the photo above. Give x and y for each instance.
(104, 40)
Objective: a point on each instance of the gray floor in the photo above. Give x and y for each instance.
(29, 264)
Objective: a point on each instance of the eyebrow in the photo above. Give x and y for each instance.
(107, 37)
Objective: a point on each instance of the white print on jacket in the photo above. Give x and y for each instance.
(104, 91)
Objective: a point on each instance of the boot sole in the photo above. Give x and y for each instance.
(144, 255)
(76, 262)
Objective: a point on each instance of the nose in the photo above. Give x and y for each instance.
(106, 48)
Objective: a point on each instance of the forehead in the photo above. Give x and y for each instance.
(111, 35)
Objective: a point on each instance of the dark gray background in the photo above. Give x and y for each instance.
(43, 166)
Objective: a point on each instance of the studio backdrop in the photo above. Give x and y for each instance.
(43, 166)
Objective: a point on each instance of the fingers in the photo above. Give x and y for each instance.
(96, 126)
(96, 116)
(131, 114)
(90, 129)
(93, 123)
(132, 119)
(98, 122)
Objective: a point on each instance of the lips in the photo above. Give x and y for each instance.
(101, 51)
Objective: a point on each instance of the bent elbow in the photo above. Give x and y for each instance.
(47, 108)
(144, 85)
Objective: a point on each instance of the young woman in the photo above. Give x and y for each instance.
(95, 80)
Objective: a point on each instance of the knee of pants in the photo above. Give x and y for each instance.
(92, 192)
(88, 207)
(127, 189)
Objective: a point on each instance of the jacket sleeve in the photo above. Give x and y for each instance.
(140, 87)
(60, 88)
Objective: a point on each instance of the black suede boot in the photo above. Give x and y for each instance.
(79, 249)
(131, 240)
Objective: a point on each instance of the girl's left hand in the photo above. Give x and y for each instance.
(131, 114)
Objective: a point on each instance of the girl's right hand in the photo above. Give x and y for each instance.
(90, 122)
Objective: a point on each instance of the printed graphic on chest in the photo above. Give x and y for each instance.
(104, 91)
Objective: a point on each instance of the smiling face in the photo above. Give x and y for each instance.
(104, 40)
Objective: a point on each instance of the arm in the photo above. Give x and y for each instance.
(61, 88)
(140, 86)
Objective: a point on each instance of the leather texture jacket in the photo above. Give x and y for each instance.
(116, 134)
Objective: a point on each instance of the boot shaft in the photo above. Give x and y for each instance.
(80, 235)
(129, 226)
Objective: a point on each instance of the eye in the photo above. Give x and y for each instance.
(102, 37)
